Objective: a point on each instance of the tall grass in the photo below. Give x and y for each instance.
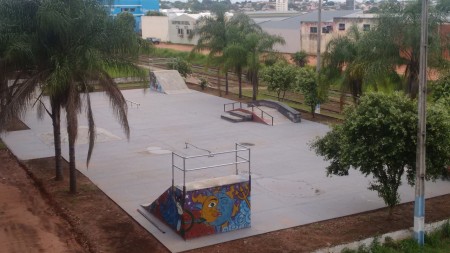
(435, 242)
(193, 58)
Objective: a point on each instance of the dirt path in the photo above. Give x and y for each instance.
(27, 222)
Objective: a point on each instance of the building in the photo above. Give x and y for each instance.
(180, 28)
(281, 5)
(174, 28)
(337, 26)
(289, 27)
(136, 7)
(156, 27)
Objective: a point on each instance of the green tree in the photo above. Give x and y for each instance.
(307, 84)
(300, 58)
(378, 138)
(212, 36)
(182, 66)
(441, 91)
(257, 43)
(373, 57)
(279, 78)
(236, 54)
(155, 13)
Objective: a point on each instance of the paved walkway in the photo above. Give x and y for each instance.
(289, 183)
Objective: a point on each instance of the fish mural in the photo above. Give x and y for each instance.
(206, 211)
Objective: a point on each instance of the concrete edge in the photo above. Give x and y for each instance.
(396, 236)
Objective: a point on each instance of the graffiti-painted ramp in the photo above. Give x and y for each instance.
(168, 82)
(206, 207)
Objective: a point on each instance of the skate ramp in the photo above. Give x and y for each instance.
(168, 82)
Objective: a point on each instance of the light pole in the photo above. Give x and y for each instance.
(319, 36)
(419, 205)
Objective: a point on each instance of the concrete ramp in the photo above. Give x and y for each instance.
(168, 82)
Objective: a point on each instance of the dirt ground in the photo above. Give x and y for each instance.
(37, 214)
(27, 222)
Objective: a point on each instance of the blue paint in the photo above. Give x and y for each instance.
(419, 215)
(419, 206)
(136, 7)
(420, 237)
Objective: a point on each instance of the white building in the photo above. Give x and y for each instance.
(281, 5)
(156, 27)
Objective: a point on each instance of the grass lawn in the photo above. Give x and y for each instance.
(2, 145)
(298, 106)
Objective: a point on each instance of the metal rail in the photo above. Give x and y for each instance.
(232, 104)
(238, 160)
(262, 113)
(133, 103)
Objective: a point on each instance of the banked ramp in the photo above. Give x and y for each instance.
(168, 82)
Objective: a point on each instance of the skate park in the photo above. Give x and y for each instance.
(289, 186)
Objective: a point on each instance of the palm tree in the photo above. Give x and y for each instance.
(300, 58)
(68, 60)
(373, 57)
(212, 36)
(235, 54)
(258, 42)
(246, 43)
(82, 57)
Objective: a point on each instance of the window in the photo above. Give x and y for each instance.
(341, 27)
(366, 27)
(180, 31)
(188, 31)
(125, 9)
(330, 28)
(325, 29)
(132, 9)
(313, 29)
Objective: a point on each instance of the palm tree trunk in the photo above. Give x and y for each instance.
(218, 82)
(255, 85)
(240, 84)
(226, 83)
(412, 74)
(72, 168)
(56, 121)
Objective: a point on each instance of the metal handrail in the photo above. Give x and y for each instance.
(225, 105)
(262, 113)
(238, 160)
(131, 103)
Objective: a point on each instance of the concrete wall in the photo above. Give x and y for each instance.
(339, 27)
(155, 26)
(308, 40)
(444, 32)
(292, 38)
(360, 22)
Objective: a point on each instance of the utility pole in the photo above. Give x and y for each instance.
(419, 204)
(319, 36)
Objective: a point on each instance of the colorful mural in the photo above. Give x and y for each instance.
(203, 212)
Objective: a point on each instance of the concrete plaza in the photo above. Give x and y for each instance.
(289, 182)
